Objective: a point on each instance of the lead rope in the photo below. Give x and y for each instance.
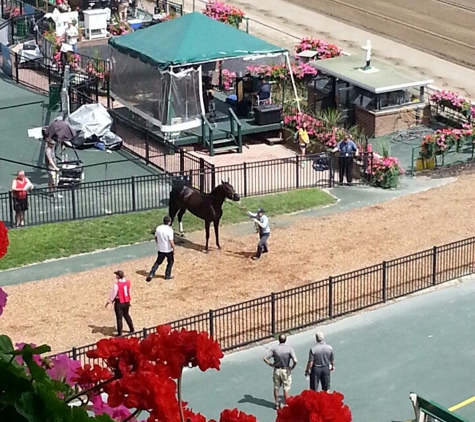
(243, 208)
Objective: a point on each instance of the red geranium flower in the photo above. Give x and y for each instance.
(190, 416)
(311, 406)
(235, 415)
(91, 375)
(177, 349)
(121, 355)
(4, 242)
(147, 391)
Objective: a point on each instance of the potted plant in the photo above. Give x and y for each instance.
(324, 50)
(384, 170)
(222, 12)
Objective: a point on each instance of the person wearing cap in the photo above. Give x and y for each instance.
(262, 223)
(51, 165)
(71, 35)
(347, 150)
(282, 356)
(120, 297)
(320, 364)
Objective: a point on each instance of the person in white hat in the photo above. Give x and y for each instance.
(72, 35)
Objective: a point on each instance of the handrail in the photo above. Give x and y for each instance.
(14, 19)
(234, 118)
(205, 122)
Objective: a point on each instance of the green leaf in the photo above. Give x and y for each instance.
(13, 382)
(103, 418)
(6, 345)
(9, 413)
(37, 372)
(39, 350)
(30, 407)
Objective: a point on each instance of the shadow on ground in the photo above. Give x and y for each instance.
(257, 401)
(106, 331)
(188, 244)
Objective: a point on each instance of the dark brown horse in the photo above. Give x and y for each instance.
(207, 206)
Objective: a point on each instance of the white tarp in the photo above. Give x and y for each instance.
(89, 120)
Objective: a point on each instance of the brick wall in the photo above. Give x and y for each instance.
(384, 122)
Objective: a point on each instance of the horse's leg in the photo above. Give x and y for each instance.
(207, 226)
(173, 208)
(180, 218)
(216, 232)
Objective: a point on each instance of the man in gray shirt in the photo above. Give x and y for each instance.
(262, 223)
(320, 364)
(282, 355)
(51, 165)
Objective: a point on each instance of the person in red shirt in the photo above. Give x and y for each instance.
(21, 185)
(120, 297)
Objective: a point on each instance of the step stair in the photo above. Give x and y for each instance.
(224, 145)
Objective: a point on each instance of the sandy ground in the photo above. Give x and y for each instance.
(69, 311)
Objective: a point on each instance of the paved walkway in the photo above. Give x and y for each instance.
(422, 344)
(349, 198)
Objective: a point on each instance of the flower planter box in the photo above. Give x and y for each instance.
(425, 164)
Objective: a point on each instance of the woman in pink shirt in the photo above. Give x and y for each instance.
(120, 297)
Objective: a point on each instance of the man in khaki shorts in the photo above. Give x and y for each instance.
(281, 355)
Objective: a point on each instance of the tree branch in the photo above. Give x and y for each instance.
(133, 415)
(182, 417)
(88, 390)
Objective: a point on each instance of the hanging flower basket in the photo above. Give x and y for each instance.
(222, 12)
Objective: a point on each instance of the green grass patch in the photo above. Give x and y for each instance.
(59, 240)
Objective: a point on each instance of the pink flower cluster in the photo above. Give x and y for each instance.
(72, 59)
(96, 69)
(228, 79)
(302, 70)
(120, 28)
(384, 170)
(280, 72)
(324, 49)
(223, 12)
(277, 72)
(453, 101)
(3, 300)
(299, 120)
(444, 139)
(316, 129)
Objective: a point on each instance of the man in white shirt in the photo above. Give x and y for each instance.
(165, 246)
(72, 35)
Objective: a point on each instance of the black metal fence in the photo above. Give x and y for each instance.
(140, 193)
(91, 199)
(265, 177)
(263, 318)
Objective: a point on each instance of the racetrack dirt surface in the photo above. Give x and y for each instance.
(444, 28)
(69, 310)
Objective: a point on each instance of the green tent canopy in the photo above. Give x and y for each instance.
(189, 39)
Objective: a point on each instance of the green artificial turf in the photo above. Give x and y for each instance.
(50, 241)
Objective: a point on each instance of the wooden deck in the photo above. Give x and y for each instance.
(223, 125)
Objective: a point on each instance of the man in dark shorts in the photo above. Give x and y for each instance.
(21, 185)
(320, 364)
